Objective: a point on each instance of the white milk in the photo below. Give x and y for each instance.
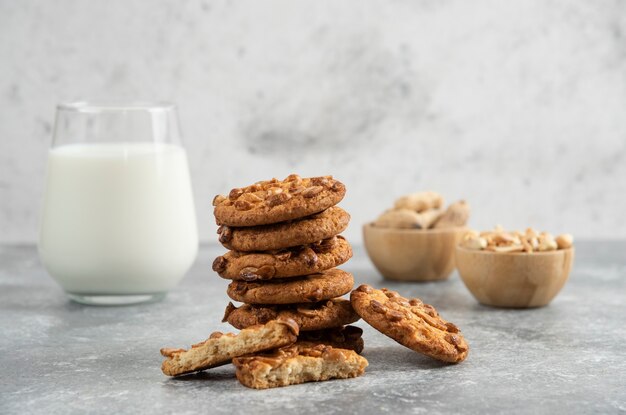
(118, 218)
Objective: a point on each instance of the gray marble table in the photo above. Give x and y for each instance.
(60, 357)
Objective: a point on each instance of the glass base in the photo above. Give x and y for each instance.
(115, 300)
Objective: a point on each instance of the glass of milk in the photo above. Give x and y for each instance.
(118, 223)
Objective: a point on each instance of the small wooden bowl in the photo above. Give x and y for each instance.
(516, 280)
(412, 254)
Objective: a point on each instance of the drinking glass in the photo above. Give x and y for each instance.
(118, 224)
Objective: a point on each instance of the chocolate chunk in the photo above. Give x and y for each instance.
(235, 193)
(219, 264)
(229, 309)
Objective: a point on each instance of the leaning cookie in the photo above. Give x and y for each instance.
(411, 323)
(291, 262)
(220, 348)
(306, 289)
(276, 201)
(304, 231)
(296, 364)
(348, 337)
(309, 316)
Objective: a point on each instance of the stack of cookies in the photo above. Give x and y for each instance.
(284, 244)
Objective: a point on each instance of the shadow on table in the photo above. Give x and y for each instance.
(203, 377)
(395, 358)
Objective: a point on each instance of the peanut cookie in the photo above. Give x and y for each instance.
(296, 364)
(348, 337)
(411, 323)
(309, 316)
(307, 289)
(276, 201)
(220, 348)
(291, 262)
(304, 231)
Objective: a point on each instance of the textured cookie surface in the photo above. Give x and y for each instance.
(309, 316)
(275, 201)
(282, 235)
(296, 364)
(220, 348)
(306, 289)
(348, 337)
(291, 262)
(411, 323)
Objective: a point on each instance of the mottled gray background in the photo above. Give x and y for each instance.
(517, 106)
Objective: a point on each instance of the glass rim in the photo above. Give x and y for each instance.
(104, 106)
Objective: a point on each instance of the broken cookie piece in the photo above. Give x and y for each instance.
(296, 364)
(221, 348)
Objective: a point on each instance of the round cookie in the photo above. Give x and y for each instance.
(305, 231)
(276, 201)
(307, 289)
(291, 262)
(309, 316)
(411, 323)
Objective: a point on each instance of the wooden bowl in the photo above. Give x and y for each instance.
(517, 280)
(412, 254)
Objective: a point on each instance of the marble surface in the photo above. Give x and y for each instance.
(517, 106)
(60, 357)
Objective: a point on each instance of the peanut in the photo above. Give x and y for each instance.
(510, 248)
(564, 241)
(401, 218)
(457, 214)
(472, 240)
(312, 191)
(547, 242)
(515, 241)
(419, 202)
(429, 217)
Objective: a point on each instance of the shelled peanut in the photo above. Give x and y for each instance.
(529, 241)
(424, 210)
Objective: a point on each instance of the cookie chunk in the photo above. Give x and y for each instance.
(291, 262)
(309, 316)
(348, 337)
(296, 364)
(220, 348)
(411, 323)
(276, 201)
(304, 231)
(307, 289)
